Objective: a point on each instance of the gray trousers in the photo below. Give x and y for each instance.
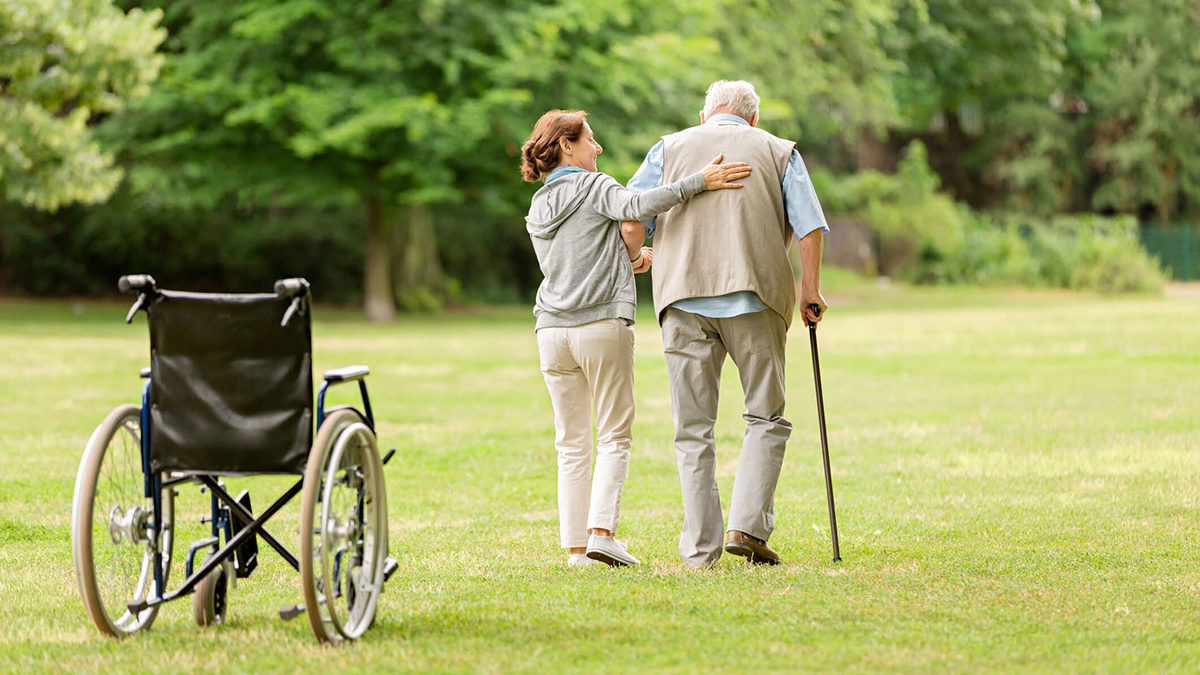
(695, 347)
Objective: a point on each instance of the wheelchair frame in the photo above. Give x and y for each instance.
(352, 432)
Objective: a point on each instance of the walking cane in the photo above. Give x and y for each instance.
(812, 338)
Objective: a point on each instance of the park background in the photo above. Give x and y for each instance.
(1010, 359)
(374, 147)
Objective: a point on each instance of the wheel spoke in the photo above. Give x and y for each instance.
(345, 507)
(116, 559)
(122, 568)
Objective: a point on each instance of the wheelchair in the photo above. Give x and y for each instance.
(229, 393)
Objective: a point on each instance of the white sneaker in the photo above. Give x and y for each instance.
(610, 551)
(580, 560)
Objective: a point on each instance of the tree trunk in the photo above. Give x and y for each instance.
(872, 153)
(380, 304)
(420, 282)
(956, 145)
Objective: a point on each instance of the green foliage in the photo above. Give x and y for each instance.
(924, 236)
(979, 52)
(281, 112)
(639, 67)
(307, 101)
(907, 214)
(1034, 157)
(914, 210)
(387, 105)
(62, 64)
(1144, 78)
(1107, 255)
(1088, 105)
(821, 66)
(84, 251)
(1073, 252)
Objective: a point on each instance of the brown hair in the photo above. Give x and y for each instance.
(542, 152)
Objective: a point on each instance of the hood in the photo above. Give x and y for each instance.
(555, 203)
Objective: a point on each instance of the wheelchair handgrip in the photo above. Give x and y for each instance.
(138, 283)
(291, 287)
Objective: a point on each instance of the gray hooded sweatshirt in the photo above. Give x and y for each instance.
(575, 225)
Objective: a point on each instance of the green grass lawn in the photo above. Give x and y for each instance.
(1017, 477)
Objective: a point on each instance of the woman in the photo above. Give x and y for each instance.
(585, 313)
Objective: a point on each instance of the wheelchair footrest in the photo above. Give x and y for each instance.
(289, 612)
(389, 568)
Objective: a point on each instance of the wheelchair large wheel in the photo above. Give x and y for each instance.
(111, 521)
(343, 529)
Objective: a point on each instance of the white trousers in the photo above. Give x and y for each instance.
(586, 367)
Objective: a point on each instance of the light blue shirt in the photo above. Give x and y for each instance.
(562, 170)
(800, 205)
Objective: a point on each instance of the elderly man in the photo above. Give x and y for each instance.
(723, 285)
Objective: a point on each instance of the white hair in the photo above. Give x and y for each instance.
(735, 96)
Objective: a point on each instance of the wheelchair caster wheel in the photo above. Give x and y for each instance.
(210, 599)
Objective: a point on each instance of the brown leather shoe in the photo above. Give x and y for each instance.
(753, 548)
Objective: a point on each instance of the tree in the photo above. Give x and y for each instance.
(821, 66)
(63, 65)
(1143, 83)
(392, 106)
(973, 59)
(1120, 130)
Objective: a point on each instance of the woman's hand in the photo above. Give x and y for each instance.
(717, 175)
(643, 261)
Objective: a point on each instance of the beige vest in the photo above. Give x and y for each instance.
(722, 241)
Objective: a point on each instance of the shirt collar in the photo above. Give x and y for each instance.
(562, 170)
(727, 117)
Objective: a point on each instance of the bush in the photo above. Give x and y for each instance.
(1098, 253)
(83, 251)
(924, 236)
(1086, 252)
(915, 227)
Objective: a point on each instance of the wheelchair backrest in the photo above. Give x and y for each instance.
(231, 389)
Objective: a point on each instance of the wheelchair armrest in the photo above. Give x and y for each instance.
(347, 373)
